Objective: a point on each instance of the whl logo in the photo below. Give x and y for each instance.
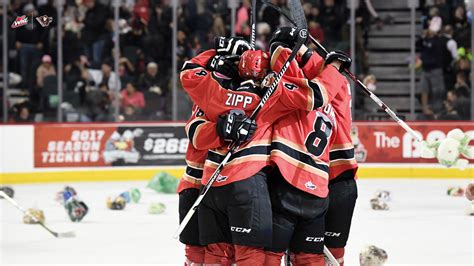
(310, 185)
(20, 21)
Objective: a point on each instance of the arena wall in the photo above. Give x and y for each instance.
(137, 151)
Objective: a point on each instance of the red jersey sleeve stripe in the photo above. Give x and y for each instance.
(341, 154)
(321, 97)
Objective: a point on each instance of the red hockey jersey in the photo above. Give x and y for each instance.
(300, 148)
(342, 151)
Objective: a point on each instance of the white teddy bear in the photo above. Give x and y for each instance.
(449, 150)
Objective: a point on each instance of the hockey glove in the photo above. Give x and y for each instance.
(345, 60)
(231, 46)
(236, 126)
(225, 65)
(285, 35)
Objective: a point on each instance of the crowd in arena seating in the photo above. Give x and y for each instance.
(91, 92)
(445, 61)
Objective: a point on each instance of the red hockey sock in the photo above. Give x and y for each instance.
(273, 258)
(338, 253)
(307, 259)
(194, 254)
(219, 254)
(249, 256)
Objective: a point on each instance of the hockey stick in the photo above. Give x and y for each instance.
(302, 36)
(374, 97)
(253, 21)
(15, 204)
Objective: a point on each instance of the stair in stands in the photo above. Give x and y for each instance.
(389, 54)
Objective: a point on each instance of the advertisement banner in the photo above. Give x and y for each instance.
(84, 145)
(161, 144)
(387, 142)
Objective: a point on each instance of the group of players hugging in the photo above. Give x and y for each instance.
(291, 185)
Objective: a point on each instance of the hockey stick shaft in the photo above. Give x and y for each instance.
(302, 35)
(15, 204)
(203, 193)
(374, 97)
(253, 22)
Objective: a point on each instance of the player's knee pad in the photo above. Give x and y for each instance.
(273, 258)
(308, 259)
(194, 255)
(338, 254)
(219, 254)
(245, 255)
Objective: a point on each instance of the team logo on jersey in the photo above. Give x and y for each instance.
(44, 20)
(221, 178)
(290, 86)
(310, 185)
(20, 21)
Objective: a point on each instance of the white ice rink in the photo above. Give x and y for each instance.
(423, 227)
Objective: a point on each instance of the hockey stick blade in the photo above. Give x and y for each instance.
(374, 97)
(55, 234)
(297, 12)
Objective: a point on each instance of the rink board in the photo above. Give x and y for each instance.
(364, 172)
(137, 151)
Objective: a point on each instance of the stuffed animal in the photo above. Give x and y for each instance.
(451, 150)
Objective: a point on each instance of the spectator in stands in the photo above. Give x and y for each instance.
(98, 104)
(76, 77)
(443, 11)
(457, 107)
(130, 114)
(332, 23)
(155, 89)
(21, 113)
(126, 71)
(29, 44)
(130, 96)
(159, 32)
(45, 69)
(450, 56)
(461, 84)
(242, 23)
(463, 66)
(94, 33)
(152, 82)
(432, 48)
(104, 76)
(462, 29)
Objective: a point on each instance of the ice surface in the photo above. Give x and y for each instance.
(423, 227)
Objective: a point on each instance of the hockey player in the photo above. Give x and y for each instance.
(300, 149)
(295, 92)
(342, 171)
(197, 129)
(204, 76)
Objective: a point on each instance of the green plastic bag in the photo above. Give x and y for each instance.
(156, 208)
(163, 182)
